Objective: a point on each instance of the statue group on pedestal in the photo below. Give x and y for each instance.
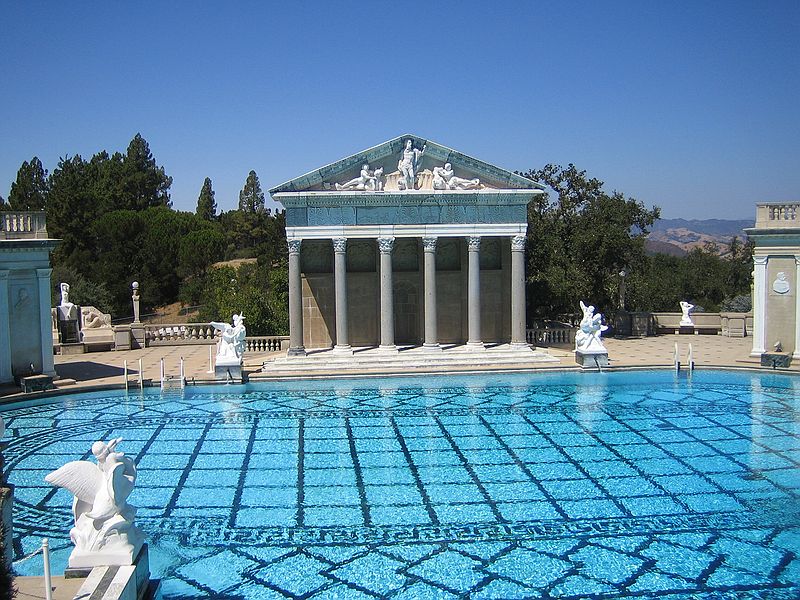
(232, 343)
(587, 338)
(104, 532)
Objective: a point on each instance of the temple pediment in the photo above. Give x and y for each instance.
(406, 164)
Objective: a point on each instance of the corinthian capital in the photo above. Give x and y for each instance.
(518, 243)
(429, 244)
(386, 244)
(339, 244)
(294, 246)
(474, 243)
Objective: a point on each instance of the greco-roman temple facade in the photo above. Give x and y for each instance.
(406, 243)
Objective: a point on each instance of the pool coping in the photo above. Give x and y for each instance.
(11, 399)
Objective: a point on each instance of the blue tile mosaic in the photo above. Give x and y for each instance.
(493, 486)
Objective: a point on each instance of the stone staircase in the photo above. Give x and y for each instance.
(408, 360)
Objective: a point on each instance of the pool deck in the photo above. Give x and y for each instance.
(103, 369)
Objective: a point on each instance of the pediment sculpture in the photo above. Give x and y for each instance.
(444, 179)
(367, 181)
(104, 531)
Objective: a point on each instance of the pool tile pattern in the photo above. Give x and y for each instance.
(569, 487)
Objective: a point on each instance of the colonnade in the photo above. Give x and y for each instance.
(387, 341)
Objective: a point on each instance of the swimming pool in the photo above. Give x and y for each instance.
(493, 486)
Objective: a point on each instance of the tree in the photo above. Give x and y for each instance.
(251, 198)
(144, 183)
(578, 244)
(206, 205)
(29, 191)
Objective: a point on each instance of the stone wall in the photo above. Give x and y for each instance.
(780, 324)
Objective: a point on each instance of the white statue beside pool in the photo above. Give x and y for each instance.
(232, 343)
(104, 531)
(587, 338)
(686, 319)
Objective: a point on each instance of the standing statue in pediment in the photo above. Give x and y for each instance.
(409, 165)
(444, 179)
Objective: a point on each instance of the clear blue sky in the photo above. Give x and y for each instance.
(691, 106)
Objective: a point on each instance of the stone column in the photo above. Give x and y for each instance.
(518, 339)
(387, 300)
(796, 353)
(5, 330)
(759, 305)
(340, 287)
(296, 347)
(474, 293)
(431, 335)
(45, 321)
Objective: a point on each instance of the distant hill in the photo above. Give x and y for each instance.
(686, 234)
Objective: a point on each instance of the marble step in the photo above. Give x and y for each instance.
(415, 360)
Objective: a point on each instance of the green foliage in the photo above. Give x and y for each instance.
(206, 205)
(255, 290)
(578, 244)
(704, 277)
(143, 183)
(29, 191)
(251, 198)
(251, 235)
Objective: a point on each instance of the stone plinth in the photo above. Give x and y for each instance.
(588, 360)
(137, 336)
(228, 371)
(36, 383)
(122, 337)
(69, 349)
(776, 360)
(130, 582)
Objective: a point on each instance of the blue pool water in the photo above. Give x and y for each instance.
(633, 485)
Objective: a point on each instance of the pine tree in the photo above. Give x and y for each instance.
(251, 198)
(29, 191)
(206, 205)
(144, 183)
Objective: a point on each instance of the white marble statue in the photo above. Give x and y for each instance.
(445, 179)
(587, 338)
(104, 532)
(686, 319)
(409, 165)
(232, 343)
(67, 311)
(781, 284)
(92, 318)
(367, 180)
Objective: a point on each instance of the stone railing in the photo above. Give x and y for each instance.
(777, 215)
(179, 334)
(545, 337)
(20, 225)
(203, 333)
(267, 343)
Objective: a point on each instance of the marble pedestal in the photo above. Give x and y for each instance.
(229, 370)
(588, 360)
(776, 360)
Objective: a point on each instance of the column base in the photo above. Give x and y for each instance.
(523, 346)
(475, 346)
(299, 351)
(432, 347)
(343, 349)
(757, 352)
(388, 349)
